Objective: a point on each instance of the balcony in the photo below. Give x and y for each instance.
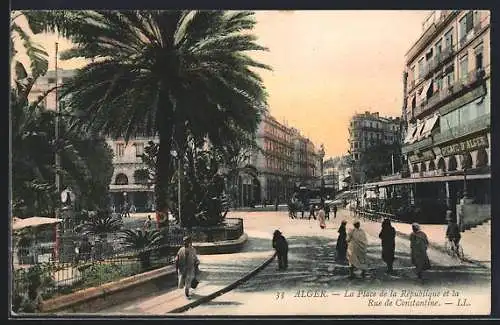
(446, 94)
(475, 31)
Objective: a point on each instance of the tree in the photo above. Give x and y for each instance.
(86, 162)
(165, 73)
(101, 223)
(376, 160)
(142, 241)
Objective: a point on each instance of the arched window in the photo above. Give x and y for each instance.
(452, 163)
(466, 160)
(423, 168)
(121, 179)
(482, 158)
(432, 165)
(415, 168)
(441, 164)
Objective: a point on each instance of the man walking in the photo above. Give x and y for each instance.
(356, 250)
(334, 211)
(280, 244)
(418, 245)
(186, 263)
(452, 232)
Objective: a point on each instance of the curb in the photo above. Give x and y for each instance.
(443, 250)
(223, 290)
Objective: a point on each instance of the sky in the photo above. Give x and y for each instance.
(327, 66)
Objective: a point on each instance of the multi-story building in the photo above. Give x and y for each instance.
(368, 129)
(285, 159)
(447, 103)
(130, 180)
(48, 82)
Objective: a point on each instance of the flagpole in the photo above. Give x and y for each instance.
(58, 156)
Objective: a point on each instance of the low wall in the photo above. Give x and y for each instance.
(130, 288)
(113, 293)
(471, 215)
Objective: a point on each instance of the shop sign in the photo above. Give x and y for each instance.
(465, 146)
(424, 155)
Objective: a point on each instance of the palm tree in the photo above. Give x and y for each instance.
(101, 223)
(142, 241)
(165, 73)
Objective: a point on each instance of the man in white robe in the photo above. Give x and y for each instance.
(356, 250)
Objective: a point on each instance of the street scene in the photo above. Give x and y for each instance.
(227, 163)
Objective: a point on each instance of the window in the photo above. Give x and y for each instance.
(139, 149)
(51, 80)
(448, 39)
(120, 149)
(412, 78)
(464, 69)
(438, 48)
(66, 79)
(438, 84)
(421, 68)
(466, 25)
(428, 55)
(479, 56)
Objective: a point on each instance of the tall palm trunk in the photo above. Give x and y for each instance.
(164, 167)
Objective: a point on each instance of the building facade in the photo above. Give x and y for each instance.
(447, 102)
(286, 159)
(367, 129)
(48, 82)
(130, 183)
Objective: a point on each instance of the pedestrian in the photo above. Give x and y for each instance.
(342, 242)
(321, 218)
(334, 211)
(452, 231)
(356, 250)
(276, 202)
(311, 212)
(148, 223)
(327, 211)
(85, 250)
(418, 245)
(388, 237)
(186, 263)
(280, 244)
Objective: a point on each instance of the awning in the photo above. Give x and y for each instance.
(418, 130)
(409, 134)
(430, 179)
(33, 222)
(429, 126)
(423, 95)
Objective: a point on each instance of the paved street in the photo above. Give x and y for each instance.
(312, 266)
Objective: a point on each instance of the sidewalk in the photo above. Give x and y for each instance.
(475, 242)
(217, 273)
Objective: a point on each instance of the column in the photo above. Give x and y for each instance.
(448, 202)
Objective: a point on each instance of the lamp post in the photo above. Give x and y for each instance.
(322, 156)
(175, 155)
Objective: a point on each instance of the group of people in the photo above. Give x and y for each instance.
(314, 210)
(352, 248)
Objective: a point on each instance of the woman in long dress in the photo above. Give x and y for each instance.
(418, 245)
(388, 236)
(186, 264)
(342, 243)
(321, 218)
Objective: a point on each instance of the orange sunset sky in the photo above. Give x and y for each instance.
(327, 65)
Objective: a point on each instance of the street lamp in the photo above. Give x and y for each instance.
(174, 154)
(322, 156)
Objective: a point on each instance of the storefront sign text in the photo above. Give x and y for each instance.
(464, 146)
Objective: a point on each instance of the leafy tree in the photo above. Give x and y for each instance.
(376, 160)
(166, 73)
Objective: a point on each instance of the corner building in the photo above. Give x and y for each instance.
(447, 87)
